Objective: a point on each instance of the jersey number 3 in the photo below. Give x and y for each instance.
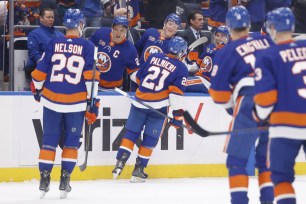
(297, 68)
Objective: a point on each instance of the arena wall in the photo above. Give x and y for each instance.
(178, 154)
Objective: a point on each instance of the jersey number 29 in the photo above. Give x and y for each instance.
(74, 65)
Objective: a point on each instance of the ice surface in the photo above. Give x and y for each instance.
(153, 191)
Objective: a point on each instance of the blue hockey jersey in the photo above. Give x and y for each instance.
(233, 70)
(280, 89)
(162, 81)
(62, 73)
(114, 59)
(151, 42)
(205, 61)
(217, 12)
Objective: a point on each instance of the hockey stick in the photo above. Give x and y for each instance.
(88, 134)
(151, 108)
(198, 42)
(193, 67)
(300, 37)
(205, 133)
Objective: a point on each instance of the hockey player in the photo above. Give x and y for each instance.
(232, 86)
(161, 80)
(153, 40)
(115, 54)
(63, 78)
(280, 97)
(200, 82)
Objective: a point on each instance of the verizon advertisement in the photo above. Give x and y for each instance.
(21, 133)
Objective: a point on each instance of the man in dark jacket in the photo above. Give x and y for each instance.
(191, 34)
(39, 38)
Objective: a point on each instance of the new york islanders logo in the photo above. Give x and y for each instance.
(150, 50)
(206, 64)
(104, 62)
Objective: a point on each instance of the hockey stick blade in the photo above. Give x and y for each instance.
(83, 166)
(198, 42)
(204, 133)
(300, 37)
(194, 125)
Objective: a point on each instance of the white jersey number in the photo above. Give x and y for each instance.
(297, 68)
(250, 59)
(155, 73)
(74, 65)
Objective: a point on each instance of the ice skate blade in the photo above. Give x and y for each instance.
(63, 194)
(116, 173)
(42, 194)
(135, 179)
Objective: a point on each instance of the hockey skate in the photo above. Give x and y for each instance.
(64, 187)
(44, 184)
(120, 165)
(138, 175)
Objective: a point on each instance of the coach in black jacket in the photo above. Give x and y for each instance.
(192, 33)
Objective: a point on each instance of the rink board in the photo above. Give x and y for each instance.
(178, 154)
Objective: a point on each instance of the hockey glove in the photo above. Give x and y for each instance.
(177, 120)
(36, 93)
(192, 56)
(92, 112)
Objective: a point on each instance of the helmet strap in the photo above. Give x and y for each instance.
(81, 28)
(272, 33)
